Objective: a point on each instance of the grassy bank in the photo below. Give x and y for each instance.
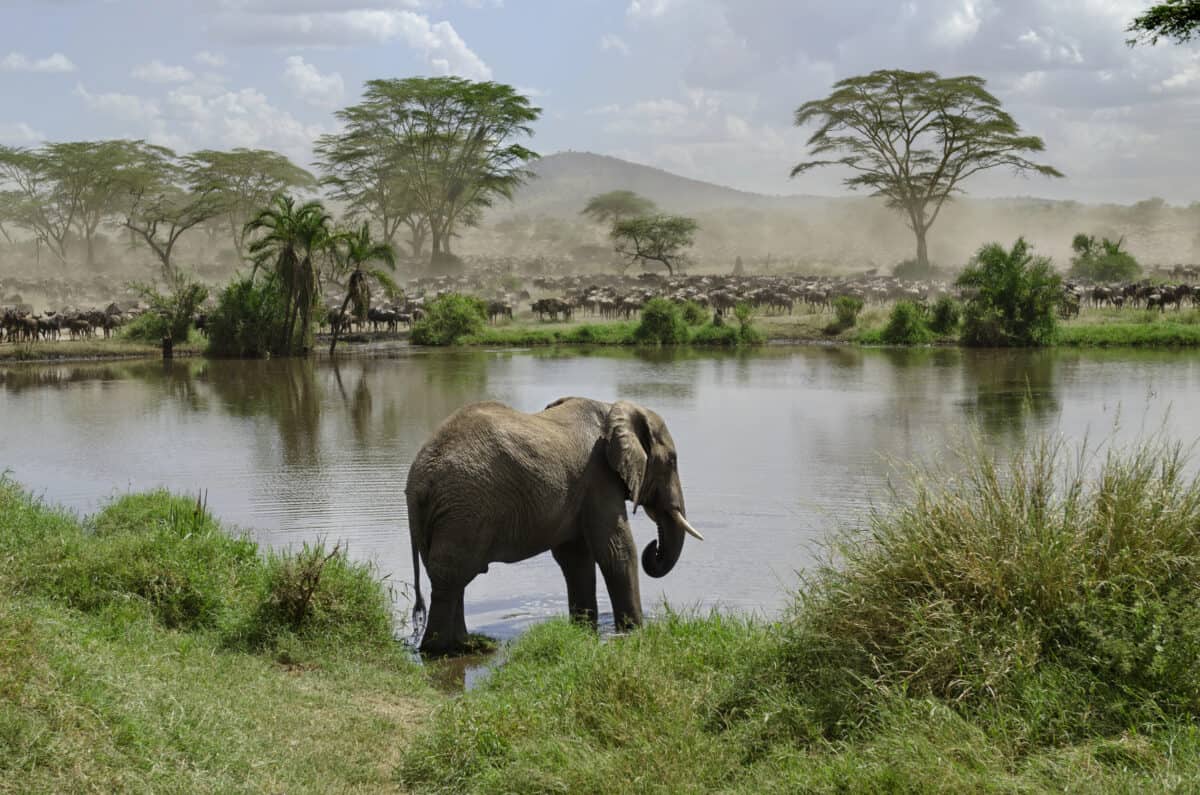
(82, 350)
(146, 649)
(988, 633)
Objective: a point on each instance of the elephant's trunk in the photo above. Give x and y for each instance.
(659, 557)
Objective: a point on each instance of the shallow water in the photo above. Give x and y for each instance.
(776, 447)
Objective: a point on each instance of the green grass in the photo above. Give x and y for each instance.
(1161, 334)
(608, 334)
(1027, 628)
(145, 649)
(114, 348)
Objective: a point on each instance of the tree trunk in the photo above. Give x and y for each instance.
(91, 251)
(922, 249)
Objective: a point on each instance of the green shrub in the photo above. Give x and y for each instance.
(846, 309)
(449, 318)
(1102, 261)
(170, 314)
(662, 324)
(1015, 297)
(250, 319)
(694, 314)
(945, 315)
(907, 325)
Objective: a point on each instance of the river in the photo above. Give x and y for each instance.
(777, 447)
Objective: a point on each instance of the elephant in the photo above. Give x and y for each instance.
(495, 484)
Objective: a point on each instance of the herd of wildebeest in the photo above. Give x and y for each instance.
(610, 296)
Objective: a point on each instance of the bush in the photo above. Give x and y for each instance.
(249, 320)
(945, 316)
(1102, 261)
(846, 309)
(1015, 297)
(171, 314)
(662, 324)
(694, 314)
(913, 271)
(449, 318)
(907, 325)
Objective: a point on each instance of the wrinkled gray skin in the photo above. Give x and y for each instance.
(495, 484)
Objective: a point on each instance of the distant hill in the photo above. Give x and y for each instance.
(566, 180)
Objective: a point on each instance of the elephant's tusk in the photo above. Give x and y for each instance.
(693, 532)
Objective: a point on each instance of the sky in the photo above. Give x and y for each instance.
(702, 88)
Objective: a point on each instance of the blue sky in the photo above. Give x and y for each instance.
(704, 88)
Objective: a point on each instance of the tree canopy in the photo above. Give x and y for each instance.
(913, 138)
(1102, 260)
(434, 148)
(617, 205)
(657, 238)
(1178, 20)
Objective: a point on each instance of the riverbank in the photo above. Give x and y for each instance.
(985, 633)
(145, 649)
(96, 349)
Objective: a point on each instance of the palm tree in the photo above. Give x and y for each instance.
(295, 237)
(355, 249)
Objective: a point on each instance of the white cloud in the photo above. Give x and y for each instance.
(18, 62)
(310, 85)
(960, 25)
(126, 107)
(611, 41)
(19, 133)
(443, 49)
(158, 72)
(239, 118)
(651, 9)
(214, 60)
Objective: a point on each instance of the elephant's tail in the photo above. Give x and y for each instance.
(414, 528)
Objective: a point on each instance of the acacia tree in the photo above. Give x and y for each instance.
(913, 138)
(1178, 20)
(243, 181)
(446, 144)
(658, 238)
(618, 205)
(35, 200)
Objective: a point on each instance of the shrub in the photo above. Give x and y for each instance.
(694, 314)
(945, 316)
(250, 319)
(913, 271)
(1102, 261)
(170, 314)
(1015, 297)
(449, 318)
(907, 325)
(846, 309)
(662, 324)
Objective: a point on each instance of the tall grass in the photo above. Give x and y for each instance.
(1026, 626)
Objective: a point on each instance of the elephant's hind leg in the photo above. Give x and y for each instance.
(579, 569)
(446, 627)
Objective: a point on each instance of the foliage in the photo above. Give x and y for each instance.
(1102, 260)
(659, 238)
(295, 238)
(352, 252)
(448, 319)
(618, 205)
(846, 309)
(583, 334)
(693, 313)
(1178, 20)
(429, 150)
(913, 138)
(1157, 334)
(912, 270)
(171, 315)
(945, 315)
(908, 324)
(243, 181)
(249, 320)
(662, 324)
(1015, 297)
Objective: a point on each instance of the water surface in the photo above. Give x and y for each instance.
(776, 447)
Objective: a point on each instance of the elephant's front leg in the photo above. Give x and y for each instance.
(618, 560)
(579, 570)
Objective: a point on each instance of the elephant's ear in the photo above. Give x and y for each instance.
(624, 429)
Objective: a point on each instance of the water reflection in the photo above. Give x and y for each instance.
(1014, 390)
